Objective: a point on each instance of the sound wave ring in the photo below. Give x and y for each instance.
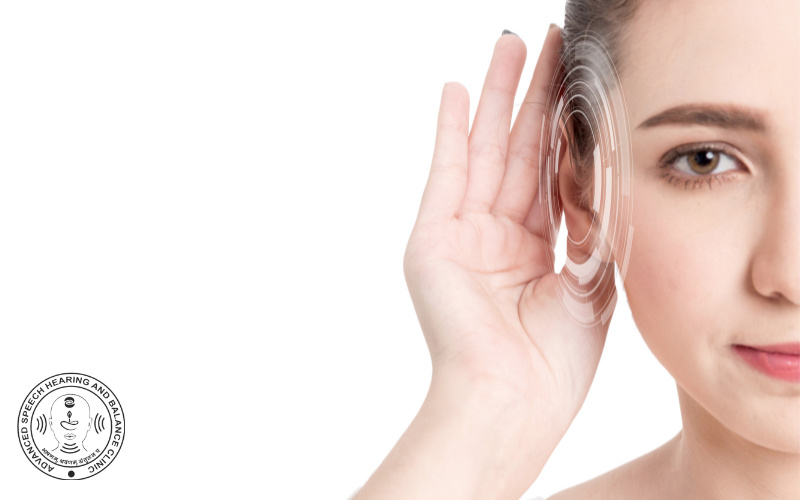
(594, 94)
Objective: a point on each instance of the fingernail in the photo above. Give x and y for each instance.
(507, 32)
(552, 25)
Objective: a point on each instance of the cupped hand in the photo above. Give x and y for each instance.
(476, 263)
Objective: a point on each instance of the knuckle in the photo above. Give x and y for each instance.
(502, 89)
(488, 152)
(528, 156)
(458, 126)
(448, 167)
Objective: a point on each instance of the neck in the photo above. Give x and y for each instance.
(714, 463)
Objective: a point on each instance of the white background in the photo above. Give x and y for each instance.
(205, 205)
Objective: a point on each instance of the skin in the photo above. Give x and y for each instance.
(713, 264)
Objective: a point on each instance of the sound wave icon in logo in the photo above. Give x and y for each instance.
(99, 423)
(41, 424)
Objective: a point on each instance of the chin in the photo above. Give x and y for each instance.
(761, 417)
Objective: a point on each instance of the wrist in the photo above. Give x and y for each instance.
(475, 437)
(482, 389)
(508, 428)
(468, 441)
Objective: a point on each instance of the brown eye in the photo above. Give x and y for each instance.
(703, 162)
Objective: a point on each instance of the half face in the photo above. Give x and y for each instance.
(713, 94)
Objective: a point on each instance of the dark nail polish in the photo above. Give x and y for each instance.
(507, 32)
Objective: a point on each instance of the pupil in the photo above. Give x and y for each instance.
(703, 158)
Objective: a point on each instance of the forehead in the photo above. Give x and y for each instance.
(713, 51)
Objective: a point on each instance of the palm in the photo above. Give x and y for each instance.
(476, 261)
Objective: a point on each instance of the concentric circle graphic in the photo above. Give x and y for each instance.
(586, 117)
(71, 426)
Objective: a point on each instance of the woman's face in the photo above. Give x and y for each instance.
(716, 247)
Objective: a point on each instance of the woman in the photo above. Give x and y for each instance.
(713, 280)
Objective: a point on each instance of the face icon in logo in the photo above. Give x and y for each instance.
(70, 421)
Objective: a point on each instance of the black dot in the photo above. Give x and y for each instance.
(71, 473)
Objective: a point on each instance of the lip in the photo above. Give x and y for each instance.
(785, 348)
(69, 436)
(780, 361)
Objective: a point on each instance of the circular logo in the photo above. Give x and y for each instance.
(71, 426)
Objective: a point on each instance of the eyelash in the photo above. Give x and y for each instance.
(674, 177)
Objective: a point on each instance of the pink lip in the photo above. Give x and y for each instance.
(780, 361)
(787, 348)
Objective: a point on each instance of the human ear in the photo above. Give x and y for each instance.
(577, 216)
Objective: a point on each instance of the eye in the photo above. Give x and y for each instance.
(704, 161)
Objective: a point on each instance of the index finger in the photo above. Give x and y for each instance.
(521, 181)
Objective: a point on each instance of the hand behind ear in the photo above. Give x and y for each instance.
(504, 349)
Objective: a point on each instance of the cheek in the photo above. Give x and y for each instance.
(679, 281)
(690, 291)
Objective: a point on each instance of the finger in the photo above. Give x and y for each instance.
(447, 179)
(521, 180)
(534, 221)
(488, 141)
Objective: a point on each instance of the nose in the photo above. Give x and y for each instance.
(776, 265)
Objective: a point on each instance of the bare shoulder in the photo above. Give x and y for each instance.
(638, 479)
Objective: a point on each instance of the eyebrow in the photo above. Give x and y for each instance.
(714, 115)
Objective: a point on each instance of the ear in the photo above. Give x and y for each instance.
(577, 217)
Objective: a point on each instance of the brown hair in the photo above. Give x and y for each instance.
(604, 19)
